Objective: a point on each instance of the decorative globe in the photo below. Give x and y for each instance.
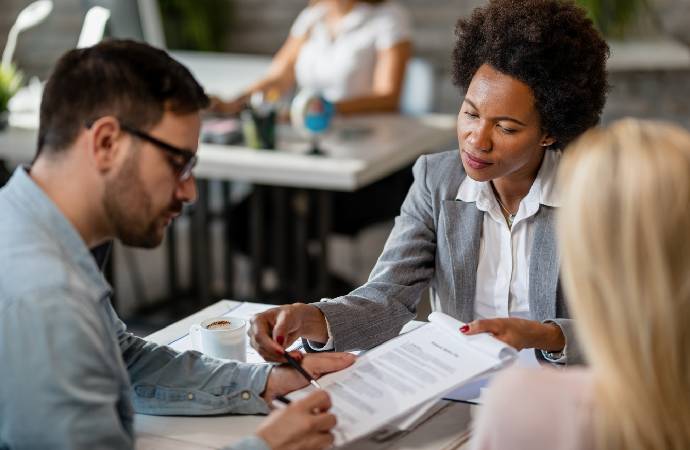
(310, 113)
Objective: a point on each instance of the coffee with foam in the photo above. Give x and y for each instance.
(219, 325)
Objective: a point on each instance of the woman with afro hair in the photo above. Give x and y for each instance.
(477, 225)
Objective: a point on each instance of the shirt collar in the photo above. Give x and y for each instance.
(43, 212)
(355, 17)
(544, 187)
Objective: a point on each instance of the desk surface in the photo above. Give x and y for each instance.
(388, 143)
(444, 430)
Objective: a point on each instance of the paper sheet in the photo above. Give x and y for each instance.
(473, 391)
(399, 376)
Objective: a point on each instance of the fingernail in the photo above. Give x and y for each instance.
(464, 328)
(280, 340)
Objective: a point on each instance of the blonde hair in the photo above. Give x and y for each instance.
(624, 233)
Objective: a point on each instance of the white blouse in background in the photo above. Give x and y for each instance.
(504, 253)
(342, 66)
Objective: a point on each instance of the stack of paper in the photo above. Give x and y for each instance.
(406, 373)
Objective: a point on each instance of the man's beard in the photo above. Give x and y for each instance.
(129, 208)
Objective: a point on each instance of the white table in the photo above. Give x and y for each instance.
(378, 145)
(390, 142)
(445, 430)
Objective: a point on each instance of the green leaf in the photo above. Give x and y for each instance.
(195, 25)
(613, 17)
(10, 82)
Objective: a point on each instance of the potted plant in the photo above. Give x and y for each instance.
(10, 81)
(613, 17)
(199, 26)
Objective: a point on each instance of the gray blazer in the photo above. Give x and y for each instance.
(435, 242)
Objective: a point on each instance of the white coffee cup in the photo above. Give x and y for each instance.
(214, 338)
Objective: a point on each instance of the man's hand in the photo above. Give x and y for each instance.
(284, 379)
(304, 424)
(520, 333)
(275, 329)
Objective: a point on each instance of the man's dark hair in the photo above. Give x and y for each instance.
(130, 80)
(551, 46)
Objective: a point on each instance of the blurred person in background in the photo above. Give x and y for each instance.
(354, 53)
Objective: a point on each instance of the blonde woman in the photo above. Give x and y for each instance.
(624, 230)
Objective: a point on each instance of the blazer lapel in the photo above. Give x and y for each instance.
(463, 228)
(544, 266)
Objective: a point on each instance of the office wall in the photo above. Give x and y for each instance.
(259, 26)
(38, 48)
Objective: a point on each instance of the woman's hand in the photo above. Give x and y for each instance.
(231, 107)
(275, 329)
(304, 424)
(520, 333)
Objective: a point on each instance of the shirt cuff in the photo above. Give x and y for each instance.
(556, 357)
(320, 346)
(249, 382)
(328, 346)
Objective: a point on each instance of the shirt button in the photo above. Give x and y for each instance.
(246, 395)
(190, 396)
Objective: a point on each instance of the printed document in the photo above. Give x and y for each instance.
(407, 372)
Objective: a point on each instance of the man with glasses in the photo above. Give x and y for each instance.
(118, 134)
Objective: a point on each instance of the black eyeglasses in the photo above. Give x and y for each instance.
(187, 159)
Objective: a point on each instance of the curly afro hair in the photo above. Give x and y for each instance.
(551, 46)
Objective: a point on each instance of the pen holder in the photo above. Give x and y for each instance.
(259, 129)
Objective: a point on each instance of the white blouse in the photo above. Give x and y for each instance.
(342, 66)
(504, 253)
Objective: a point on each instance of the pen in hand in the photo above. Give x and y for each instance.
(298, 367)
(282, 399)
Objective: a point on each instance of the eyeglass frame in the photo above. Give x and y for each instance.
(184, 171)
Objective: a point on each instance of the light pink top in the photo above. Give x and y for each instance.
(535, 409)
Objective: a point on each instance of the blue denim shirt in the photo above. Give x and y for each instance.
(71, 375)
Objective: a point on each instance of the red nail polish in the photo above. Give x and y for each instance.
(280, 340)
(464, 328)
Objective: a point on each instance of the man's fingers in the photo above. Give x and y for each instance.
(297, 355)
(317, 441)
(323, 422)
(321, 363)
(316, 401)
